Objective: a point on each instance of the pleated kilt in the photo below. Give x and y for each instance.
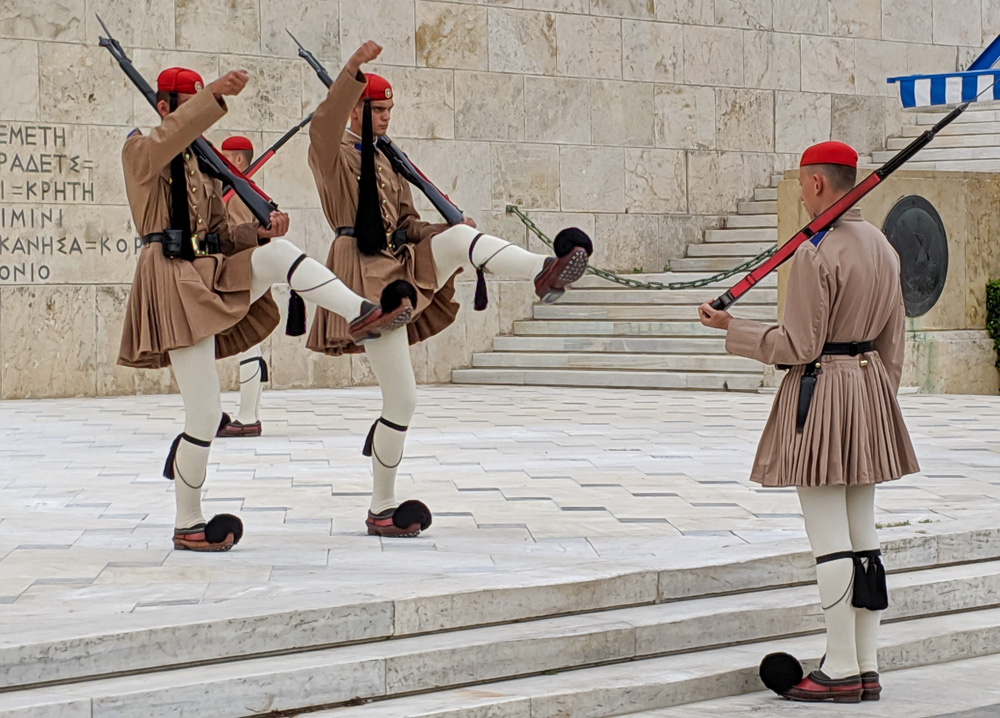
(853, 435)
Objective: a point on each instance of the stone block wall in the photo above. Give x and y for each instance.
(948, 350)
(641, 121)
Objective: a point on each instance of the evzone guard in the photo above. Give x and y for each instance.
(201, 286)
(387, 254)
(252, 367)
(835, 430)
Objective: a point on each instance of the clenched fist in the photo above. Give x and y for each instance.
(364, 54)
(230, 84)
(279, 226)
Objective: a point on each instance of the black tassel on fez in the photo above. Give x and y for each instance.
(369, 227)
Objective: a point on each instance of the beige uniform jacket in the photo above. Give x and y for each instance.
(846, 289)
(175, 303)
(335, 160)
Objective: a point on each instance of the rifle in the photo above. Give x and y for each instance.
(826, 218)
(262, 160)
(400, 162)
(209, 159)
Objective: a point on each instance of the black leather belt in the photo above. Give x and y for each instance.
(807, 385)
(173, 243)
(395, 240)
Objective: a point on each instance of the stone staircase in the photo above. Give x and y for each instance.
(603, 335)
(594, 642)
(970, 144)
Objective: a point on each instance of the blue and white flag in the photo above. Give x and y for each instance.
(980, 82)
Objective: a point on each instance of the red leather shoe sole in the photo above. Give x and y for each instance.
(387, 322)
(566, 270)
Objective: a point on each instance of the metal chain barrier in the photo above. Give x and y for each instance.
(636, 284)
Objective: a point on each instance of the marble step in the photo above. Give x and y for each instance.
(750, 221)
(757, 207)
(956, 166)
(973, 115)
(612, 345)
(480, 655)
(227, 631)
(947, 154)
(765, 293)
(629, 362)
(943, 690)
(609, 379)
(734, 250)
(759, 234)
(707, 265)
(982, 140)
(955, 129)
(550, 328)
(765, 194)
(643, 312)
(654, 683)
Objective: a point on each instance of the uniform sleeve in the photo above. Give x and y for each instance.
(329, 122)
(891, 340)
(144, 156)
(417, 230)
(800, 338)
(242, 226)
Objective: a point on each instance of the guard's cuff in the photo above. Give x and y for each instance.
(744, 337)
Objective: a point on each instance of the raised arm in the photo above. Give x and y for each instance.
(330, 120)
(800, 338)
(144, 156)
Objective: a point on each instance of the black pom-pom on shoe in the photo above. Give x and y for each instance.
(412, 512)
(394, 294)
(569, 238)
(221, 525)
(780, 672)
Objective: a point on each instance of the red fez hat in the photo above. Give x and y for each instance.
(237, 142)
(830, 153)
(179, 80)
(378, 88)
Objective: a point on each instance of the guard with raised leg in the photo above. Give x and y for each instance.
(385, 252)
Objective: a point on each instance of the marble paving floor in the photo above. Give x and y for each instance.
(522, 481)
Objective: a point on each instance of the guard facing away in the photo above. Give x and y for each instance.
(386, 253)
(253, 369)
(835, 430)
(201, 286)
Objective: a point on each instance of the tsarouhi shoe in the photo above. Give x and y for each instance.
(405, 521)
(871, 688)
(397, 302)
(817, 686)
(233, 427)
(573, 249)
(221, 533)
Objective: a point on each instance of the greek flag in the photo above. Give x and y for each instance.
(981, 81)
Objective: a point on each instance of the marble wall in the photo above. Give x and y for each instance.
(947, 349)
(642, 121)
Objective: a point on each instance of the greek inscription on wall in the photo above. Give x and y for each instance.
(51, 228)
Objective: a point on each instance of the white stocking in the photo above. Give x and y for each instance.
(861, 516)
(251, 385)
(389, 356)
(451, 253)
(824, 509)
(270, 264)
(196, 375)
